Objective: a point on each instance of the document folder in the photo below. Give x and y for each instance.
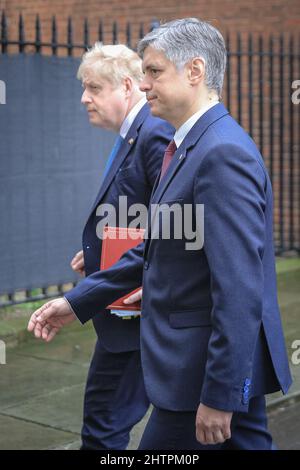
(116, 241)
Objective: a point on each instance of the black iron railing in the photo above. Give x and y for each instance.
(69, 46)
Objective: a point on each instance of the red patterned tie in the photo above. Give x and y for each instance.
(169, 152)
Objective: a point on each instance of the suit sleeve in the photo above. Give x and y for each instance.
(231, 185)
(98, 290)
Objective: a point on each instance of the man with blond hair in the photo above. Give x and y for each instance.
(115, 397)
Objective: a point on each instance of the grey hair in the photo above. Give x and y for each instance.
(184, 39)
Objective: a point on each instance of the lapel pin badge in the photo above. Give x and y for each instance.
(130, 141)
(181, 156)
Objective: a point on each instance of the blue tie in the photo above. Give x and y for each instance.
(119, 141)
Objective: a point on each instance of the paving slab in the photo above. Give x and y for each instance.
(24, 378)
(18, 434)
(59, 409)
(284, 424)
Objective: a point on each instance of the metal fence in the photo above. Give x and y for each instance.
(69, 47)
(258, 91)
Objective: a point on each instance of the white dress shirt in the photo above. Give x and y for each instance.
(131, 117)
(183, 130)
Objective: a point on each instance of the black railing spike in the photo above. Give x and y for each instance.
(37, 34)
(141, 32)
(250, 81)
(4, 38)
(291, 44)
(271, 107)
(228, 72)
(281, 141)
(115, 32)
(250, 42)
(100, 31)
(292, 153)
(227, 39)
(69, 36)
(239, 78)
(261, 94)
(54, 36)
(21, 33)
(128, 34)
(86, 33)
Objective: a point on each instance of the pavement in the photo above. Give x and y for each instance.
(42, 385)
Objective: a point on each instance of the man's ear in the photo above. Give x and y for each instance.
(196, 71)
(127, 85)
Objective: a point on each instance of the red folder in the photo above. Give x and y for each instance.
(116, 241)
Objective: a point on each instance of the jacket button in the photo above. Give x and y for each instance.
(245, 400)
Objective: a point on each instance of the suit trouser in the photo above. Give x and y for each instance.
(115, 399)
(173, 430)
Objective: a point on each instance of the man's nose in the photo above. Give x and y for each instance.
(85, 98)
(145, 85)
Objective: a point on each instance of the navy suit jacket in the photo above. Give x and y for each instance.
(211, 329)
(132, 174)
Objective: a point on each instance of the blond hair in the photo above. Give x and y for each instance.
(112, 62)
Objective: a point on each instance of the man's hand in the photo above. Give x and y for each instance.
(212, 426)
(134, 297)
(50, 318)
(77, 263)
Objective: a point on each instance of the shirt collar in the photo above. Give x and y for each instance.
(183, 130)
(128, 121)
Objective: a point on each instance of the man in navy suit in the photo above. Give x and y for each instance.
(211, 337)
(115, 397)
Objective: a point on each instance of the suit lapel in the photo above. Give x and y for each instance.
(193, 136)
(124, 150)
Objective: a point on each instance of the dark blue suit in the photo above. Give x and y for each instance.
(115, 397)
(211, 329)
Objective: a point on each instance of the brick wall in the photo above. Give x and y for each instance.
(227, 15)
